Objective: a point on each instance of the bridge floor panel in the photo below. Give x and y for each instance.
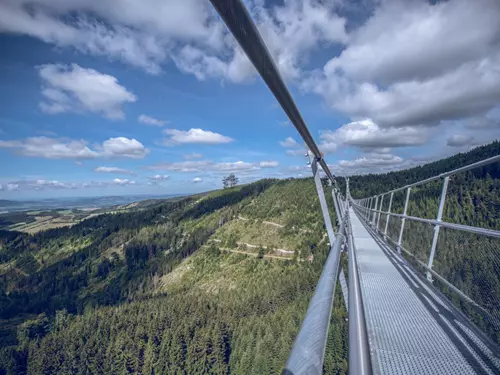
(410, 329)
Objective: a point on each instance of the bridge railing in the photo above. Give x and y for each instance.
(448, 226)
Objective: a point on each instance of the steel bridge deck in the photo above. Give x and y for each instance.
(411, 329)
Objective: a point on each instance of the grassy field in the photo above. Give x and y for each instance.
(44, 220)
(257, 233)
(217, 272)
(44, 223)
(59, 249)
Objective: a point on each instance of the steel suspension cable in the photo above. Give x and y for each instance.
(239, 22)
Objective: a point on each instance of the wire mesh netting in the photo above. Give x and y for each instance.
(473, 198)
(385, 224)
(424, 199)
(381, 222)
(417, 239)
(398, 202)
(385, 202)
(471, 263)
(393, 230)
(368, 217)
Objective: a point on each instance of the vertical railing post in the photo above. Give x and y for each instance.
(338, 210)
(322, 200)
(437, 226)
(368, 209)
(344, 287)
(380, 212)
(388, 215)
(375, 211)
(403, 219)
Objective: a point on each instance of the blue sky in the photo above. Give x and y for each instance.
(117, 98)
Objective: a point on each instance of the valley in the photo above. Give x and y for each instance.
(213, 283)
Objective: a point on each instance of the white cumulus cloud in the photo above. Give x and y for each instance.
(51, 148)
(123, 182)
(54, 184)
(148, 120)
(63, 148)
(151, 33)
(47, 184)
(199, 136)
(71, 88)
(197, 179)
(208, 166)
(268, 164)
(289, 142)
(416, 63)
(124, 147)
(292, 31)
(372, 161)
(11, 187)
(114, 170)
(233, 166)
(159, 177)
(367, 135)
(141, 34)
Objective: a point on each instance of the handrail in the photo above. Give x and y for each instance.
(359, 354)
(444, 224)
(308, 350)
(239, 22)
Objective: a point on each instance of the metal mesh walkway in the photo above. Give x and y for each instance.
(411, 329)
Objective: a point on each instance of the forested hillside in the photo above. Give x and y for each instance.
(166, 289)
(215, 283)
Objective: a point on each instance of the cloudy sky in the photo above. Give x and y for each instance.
(154, 96)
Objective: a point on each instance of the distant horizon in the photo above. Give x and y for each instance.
(93, 196)
(416, 162)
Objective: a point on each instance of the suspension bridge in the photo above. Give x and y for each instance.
(408, 313)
